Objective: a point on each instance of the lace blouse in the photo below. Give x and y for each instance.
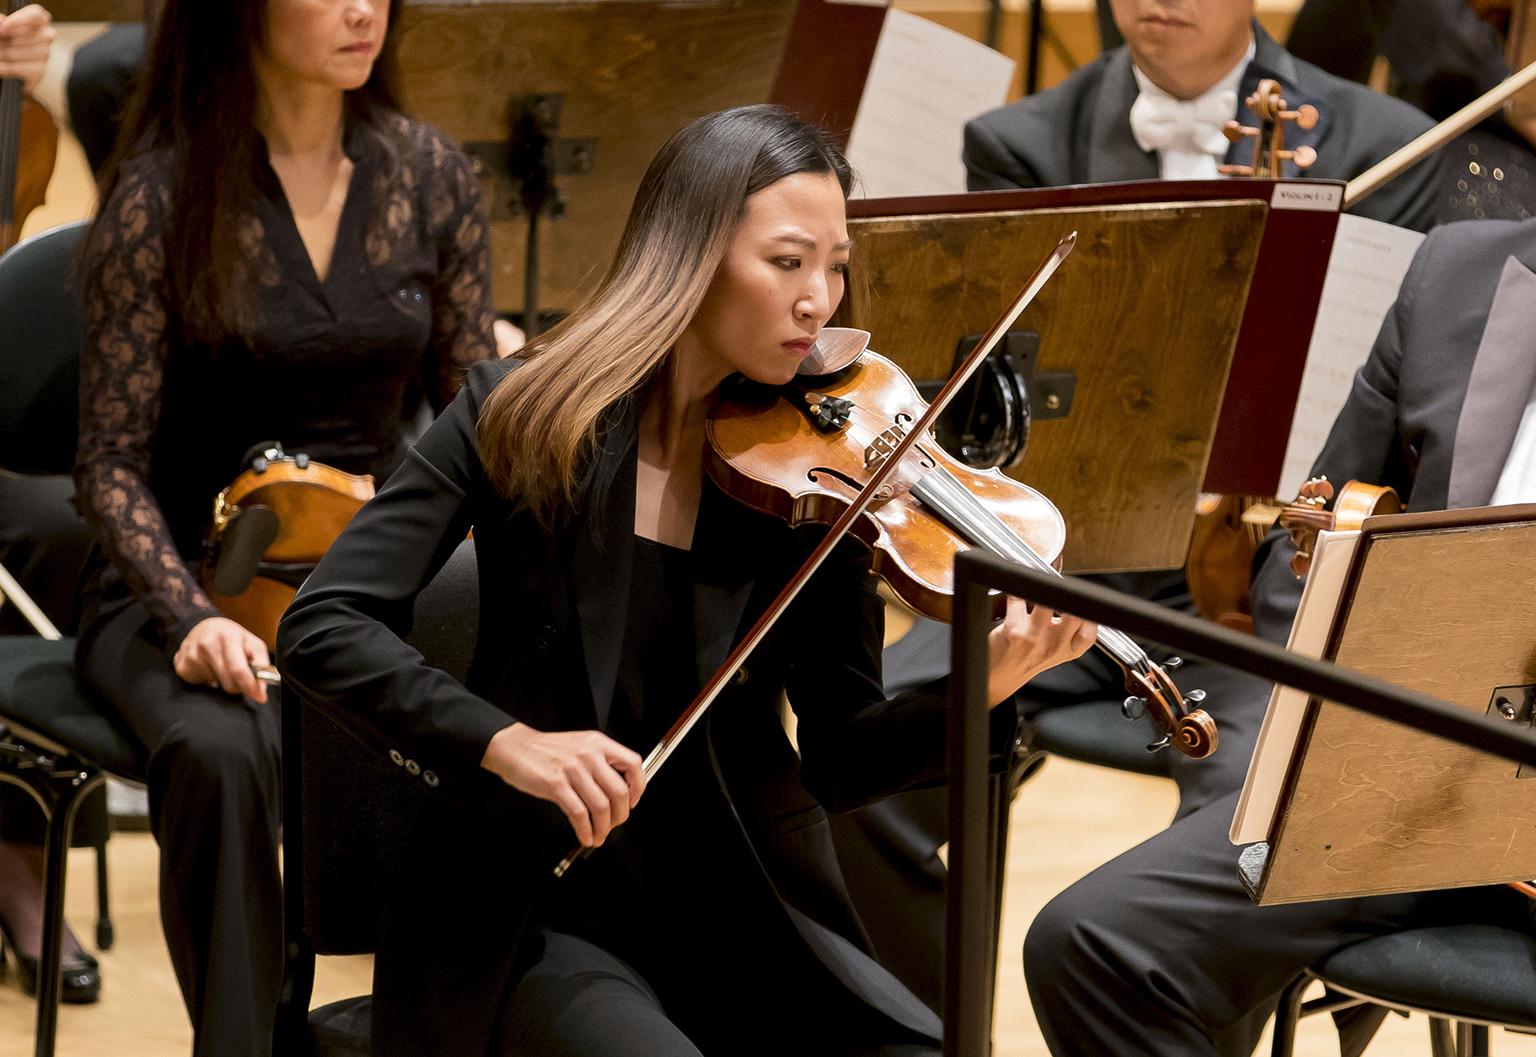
(328, 368)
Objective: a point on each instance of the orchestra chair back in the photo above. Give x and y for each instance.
(1465, 978)
(346, 813)
(56, 744)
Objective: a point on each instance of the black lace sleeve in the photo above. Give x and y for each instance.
(121, 374)
(461, 295)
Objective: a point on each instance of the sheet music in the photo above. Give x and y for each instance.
(925, 82)
(1365, 270)
(1256, 805)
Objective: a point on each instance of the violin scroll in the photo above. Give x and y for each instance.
(1269, 150)
(1310, 513)
(1188, 730)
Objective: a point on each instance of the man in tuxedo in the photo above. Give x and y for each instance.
(1155, 109)
(1160, 951)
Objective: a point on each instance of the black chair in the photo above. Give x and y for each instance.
(1465, 978)
(346, 812)
(55, 743)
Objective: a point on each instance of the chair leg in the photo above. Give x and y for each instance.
(1286, 1016)
(61, 823)
(105, 933)
(1442, 1039)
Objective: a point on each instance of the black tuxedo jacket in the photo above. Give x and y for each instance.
(1079, 132)
(552, 615)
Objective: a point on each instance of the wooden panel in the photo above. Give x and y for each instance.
(631, 73)
(101, 10)
(1375, 807)
(1145, 313)
(1265, 378)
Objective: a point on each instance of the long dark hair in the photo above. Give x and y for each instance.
(538, 428)
(196, 100)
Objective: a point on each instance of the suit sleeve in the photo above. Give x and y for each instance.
(340, 645)
(1381, 126)
(856, 744)
(989, 164)
(1363, 445)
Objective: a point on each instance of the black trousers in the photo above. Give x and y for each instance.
(214, 804)
(1161, 952)
(579, 1000)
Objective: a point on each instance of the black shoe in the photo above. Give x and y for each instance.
(80, 972)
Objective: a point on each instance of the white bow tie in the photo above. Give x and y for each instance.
(1161, 122)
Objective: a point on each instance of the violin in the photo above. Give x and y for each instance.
(270, 528)
(1310, 513)
(802, 452)
(29, 142)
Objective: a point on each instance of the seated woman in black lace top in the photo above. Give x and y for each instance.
(282, 257)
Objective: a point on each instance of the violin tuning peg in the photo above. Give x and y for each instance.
(1194, 697)
(1173, 664)
(1161, 743)
(1133, 707)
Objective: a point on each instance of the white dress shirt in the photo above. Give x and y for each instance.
(1187, 133)
(1517, 484)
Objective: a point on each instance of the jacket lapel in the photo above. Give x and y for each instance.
(1112, 151)
(1272, 62)
(601, 557)
(1498, 390)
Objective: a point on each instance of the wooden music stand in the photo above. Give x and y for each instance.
(1142, 318)
(1260, 398)
(627, 74)
(1437, 603)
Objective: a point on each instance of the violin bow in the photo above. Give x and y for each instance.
(1415, 150)
(884, 467)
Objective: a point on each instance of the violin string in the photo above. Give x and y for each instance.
(1004, 541)
(968, 515)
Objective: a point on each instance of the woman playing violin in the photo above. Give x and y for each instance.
(280, 256)
(615, 577)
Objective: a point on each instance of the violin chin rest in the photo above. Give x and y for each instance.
(835, 348)
(244, 540)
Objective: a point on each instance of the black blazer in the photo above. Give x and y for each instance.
(1079, 132)
(552, 611)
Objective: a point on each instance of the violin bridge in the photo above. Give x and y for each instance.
(882, 446)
